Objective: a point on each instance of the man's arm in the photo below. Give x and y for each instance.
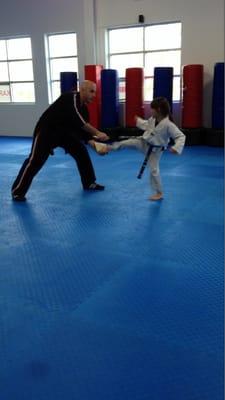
(83, 124)
(96, 134)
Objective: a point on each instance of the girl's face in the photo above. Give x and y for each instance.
(155, 112)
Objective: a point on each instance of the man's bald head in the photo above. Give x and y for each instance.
(87, 91)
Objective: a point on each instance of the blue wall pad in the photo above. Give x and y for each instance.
(106, 295)
(68, 81)
(163, 83)
(110, 98)
(218, 97)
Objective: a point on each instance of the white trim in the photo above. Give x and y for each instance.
(28, 165)
(76, 109)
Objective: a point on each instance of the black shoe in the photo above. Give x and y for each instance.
(17, 197)
(94, 186)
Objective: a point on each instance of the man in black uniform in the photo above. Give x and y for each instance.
(64, 124)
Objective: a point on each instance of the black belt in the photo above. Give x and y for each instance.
(146, 159)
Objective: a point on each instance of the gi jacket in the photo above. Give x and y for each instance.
(160, 134)
(64, 119)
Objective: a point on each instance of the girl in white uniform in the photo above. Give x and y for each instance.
(158, 130)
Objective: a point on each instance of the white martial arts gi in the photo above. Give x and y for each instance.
(155, 135)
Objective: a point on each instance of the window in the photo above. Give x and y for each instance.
(146, 47)
(62, 57)
(16, 71)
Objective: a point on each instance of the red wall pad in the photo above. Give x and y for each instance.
(134, 95)
(192, 96)
(93, 73)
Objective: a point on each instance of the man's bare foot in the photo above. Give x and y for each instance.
(156, 196)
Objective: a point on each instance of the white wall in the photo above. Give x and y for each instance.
(36, 19)
(202, 31)
(202, 40)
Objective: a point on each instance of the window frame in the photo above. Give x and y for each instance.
(49, 58)
(122, 80)
(9, 82)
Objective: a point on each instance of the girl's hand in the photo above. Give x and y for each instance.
(172, 150)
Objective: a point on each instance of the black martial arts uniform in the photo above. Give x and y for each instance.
(60, 125)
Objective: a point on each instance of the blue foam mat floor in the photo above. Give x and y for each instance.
(108, 295)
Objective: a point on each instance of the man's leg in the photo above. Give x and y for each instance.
(38, 156)
(78, 151)
(15, 183)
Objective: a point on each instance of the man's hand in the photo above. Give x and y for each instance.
(101, 136)
(95, 133)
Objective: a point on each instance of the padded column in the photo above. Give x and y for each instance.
(163, 84)
(110, 98)
(68, 81)
(218, 97)
(192, 104)
(134, 95)
(93, 73)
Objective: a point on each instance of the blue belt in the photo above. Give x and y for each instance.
(146, 159)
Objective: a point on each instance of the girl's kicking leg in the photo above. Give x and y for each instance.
(138, 143)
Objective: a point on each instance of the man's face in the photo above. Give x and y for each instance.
(89, 93)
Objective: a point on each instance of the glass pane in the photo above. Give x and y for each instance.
(148, 89)
(23, 92)
(4, 94)
(163, 59)
(63, 45)
(21, 71)
(55, 90)
(176, 88)
(121, 62)
(19, 48)
(122, 90)
(3, 54)
(126, 40)
(63, 65)
(166, 36)
(4, 76)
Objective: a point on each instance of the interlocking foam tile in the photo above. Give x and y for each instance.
(108, 295)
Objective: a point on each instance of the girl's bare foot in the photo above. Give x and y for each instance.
(156, 196)
(101, 148)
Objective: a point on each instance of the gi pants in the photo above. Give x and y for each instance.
(153, 162)
(42, 146)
